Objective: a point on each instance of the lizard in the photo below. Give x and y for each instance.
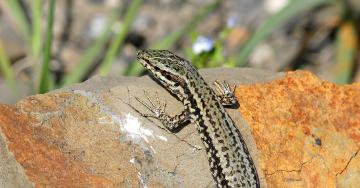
(230, 162)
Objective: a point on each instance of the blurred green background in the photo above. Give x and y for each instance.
(48, 44)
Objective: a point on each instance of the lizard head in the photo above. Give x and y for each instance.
(171, 70)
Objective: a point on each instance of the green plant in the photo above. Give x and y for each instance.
(44, 79)
(39, 48)
(115, 46)
(168, 41)
(5, 68)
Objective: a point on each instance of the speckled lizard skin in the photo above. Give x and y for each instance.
(230, 162)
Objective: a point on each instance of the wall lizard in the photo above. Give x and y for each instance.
(230, 162)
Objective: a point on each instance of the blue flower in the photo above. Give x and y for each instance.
(202, 44)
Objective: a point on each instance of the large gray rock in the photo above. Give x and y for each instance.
(89, 135)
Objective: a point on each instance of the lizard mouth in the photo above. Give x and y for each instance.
(148, 65)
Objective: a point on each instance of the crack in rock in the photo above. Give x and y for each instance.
(294, 170)
(348, 162)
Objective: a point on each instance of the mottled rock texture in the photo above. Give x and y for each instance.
(307, 130)
(301, 131)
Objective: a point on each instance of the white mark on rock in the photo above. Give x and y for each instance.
(132, 161)
(152, 148)
(162, 138)
(132, 126)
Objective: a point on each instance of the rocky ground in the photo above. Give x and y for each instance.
(301, 132)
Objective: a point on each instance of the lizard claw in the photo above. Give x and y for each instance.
(155, 107)
(225, 93)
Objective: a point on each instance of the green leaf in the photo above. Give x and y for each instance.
(124, 29)
(36, 10)
(45, 84)
(5, 68)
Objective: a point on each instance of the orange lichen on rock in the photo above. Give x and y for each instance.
(307, 130)
(52, 139)
(38, 157)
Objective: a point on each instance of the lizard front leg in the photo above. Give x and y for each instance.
(172, 123)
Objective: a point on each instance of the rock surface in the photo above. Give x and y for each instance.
(306, 133)
(308, 130)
